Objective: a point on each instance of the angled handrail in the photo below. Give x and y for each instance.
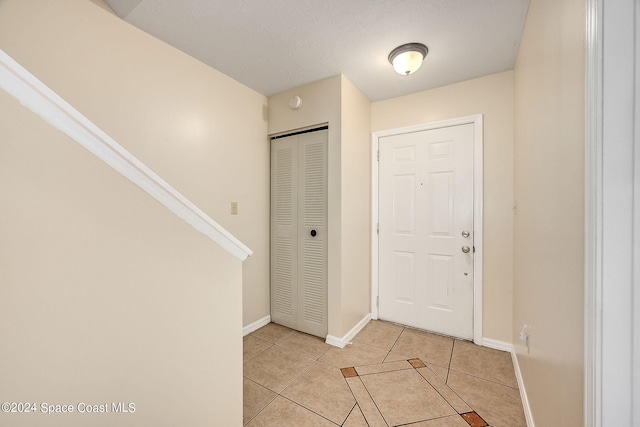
(40, 99)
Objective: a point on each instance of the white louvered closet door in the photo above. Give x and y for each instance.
(299, 232)
(284, 231)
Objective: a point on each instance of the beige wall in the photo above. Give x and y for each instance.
(356, 205)
(491, 96)
(201, 131)
(197, 128)
(320, 105)
(105, 295)
(548, 226)
(338, 103)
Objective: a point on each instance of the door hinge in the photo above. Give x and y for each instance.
(378, 301)
(378, 228)
(378, 155)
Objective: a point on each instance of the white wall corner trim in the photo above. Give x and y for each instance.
(41, 100)
(342, 342)
(256, 325)
(612, 215)
(593, 217)
(478, 174)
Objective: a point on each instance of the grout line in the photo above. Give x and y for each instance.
(484, 379)
(352, 409)
(429, 419)
(374, 402)
(396, 341)
(370, 397)
(258, 353)
(265, 406)
(325, 352)
(384, 372)
(452, 391)
(393, 345)
(284, 336)
(272, 341)
(310, 410)
(357, 404)
(450, 360)
(298, 376)
(438, 391)
(293, 350)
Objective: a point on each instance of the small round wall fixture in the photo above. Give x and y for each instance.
(406, 59)
(295, 102)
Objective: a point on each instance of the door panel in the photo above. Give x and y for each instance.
(404, 190)
(405, 277)
(284, 232)
(312, 261)
(425, 202)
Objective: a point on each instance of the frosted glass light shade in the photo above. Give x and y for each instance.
(406, 59)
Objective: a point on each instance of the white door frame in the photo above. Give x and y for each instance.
(477, 211)
(612, 215)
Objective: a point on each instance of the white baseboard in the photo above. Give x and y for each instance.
(341, 342)
(497, 345)
(523, 392)
(256, 325)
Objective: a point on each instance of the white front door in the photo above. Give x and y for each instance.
(426, 229)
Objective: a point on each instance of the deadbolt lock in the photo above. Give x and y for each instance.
(465, 234)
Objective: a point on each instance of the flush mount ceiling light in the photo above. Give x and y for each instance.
(406, 59)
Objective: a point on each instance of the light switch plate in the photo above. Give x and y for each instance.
(234, 208)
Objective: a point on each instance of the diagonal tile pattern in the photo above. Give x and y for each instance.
(323, 390)
(355, 418)
(405, 397)
(256, 398)
(369, 409)
(441, 372)
(430, 348)
(390, 376)
(498, 405)
(276, 367)
(450, 396)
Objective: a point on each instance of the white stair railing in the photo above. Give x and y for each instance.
(40, 99)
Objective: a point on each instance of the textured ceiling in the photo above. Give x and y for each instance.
(275, 45)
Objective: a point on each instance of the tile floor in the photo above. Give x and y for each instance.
(390, 376)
